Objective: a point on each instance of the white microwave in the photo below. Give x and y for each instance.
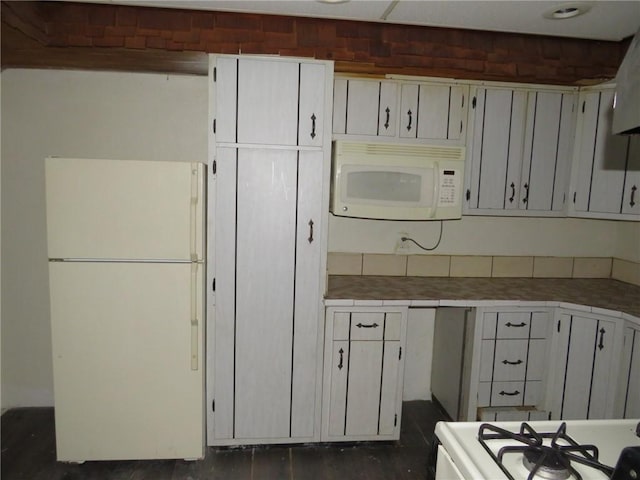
(396, 182)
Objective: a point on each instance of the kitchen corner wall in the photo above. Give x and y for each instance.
(164, 117)
(73, 114)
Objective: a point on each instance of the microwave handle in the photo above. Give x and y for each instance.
(436, 188)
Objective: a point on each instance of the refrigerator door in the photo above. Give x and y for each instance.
(125, 209)
(127, 360)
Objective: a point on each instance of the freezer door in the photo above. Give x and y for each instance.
(125, 380)
(124, 209)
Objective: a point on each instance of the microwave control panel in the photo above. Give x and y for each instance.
(449, 191)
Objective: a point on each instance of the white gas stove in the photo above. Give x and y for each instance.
(550, 450)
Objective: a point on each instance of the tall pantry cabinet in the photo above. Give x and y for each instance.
(271, 148)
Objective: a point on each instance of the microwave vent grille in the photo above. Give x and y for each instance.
(383, 149)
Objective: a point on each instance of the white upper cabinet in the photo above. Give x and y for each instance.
(519, 151)
(400, 110)
(432, 111)
(606, 168)
(269, 102)
(365, 107)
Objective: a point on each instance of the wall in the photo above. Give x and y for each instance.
(480, 236)
(75, 114)
(359, 47)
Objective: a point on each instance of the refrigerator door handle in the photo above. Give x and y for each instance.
(194, 316)
(195, 183)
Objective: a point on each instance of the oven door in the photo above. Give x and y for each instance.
(445, 468)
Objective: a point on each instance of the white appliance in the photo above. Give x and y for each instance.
(626, 112)
(396, 182)
(126, 272)
(471, 450)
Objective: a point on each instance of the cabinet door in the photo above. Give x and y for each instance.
(365, 368)
(371, 108)
(307, 306)
(409, 110)
(267, 102)
(630, 379)
(440, 112)
(546, 152)
(602, 157)
(631, 195)
(312, 95)
(266, 210)
(496, 158)
(264, 377)
(587, 354)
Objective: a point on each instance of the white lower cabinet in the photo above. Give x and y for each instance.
(363, 373)
(512, 358)
(587, 364)
(628, 399)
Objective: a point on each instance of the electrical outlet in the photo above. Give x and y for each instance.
(402, 248)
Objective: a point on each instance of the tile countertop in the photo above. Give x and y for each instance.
(604, 294)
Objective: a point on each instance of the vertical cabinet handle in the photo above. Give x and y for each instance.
(526, 195)
(601, 343)
(386, 122)
(310, 231)
(513, 192)
(313, 125)
(340, 363)
(410, 119)
(632, 202)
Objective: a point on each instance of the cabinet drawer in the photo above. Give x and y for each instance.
(367, 326)
(507, 393)
(513, 325)
(510, 361)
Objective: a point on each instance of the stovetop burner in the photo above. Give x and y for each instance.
(550, 460)
(546, 463)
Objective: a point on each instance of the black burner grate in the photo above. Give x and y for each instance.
(548, 461)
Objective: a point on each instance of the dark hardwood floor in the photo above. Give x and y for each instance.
(28, 452)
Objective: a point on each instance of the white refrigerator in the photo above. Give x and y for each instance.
(126, 245)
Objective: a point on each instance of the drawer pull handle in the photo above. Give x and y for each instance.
(507, 362)
(601, 344)
(340, 365)
(364, 325)
(509, 394)
(517, 325)
(386, 123)
(410, 119)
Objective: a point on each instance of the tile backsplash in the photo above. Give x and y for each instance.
(482, 266)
